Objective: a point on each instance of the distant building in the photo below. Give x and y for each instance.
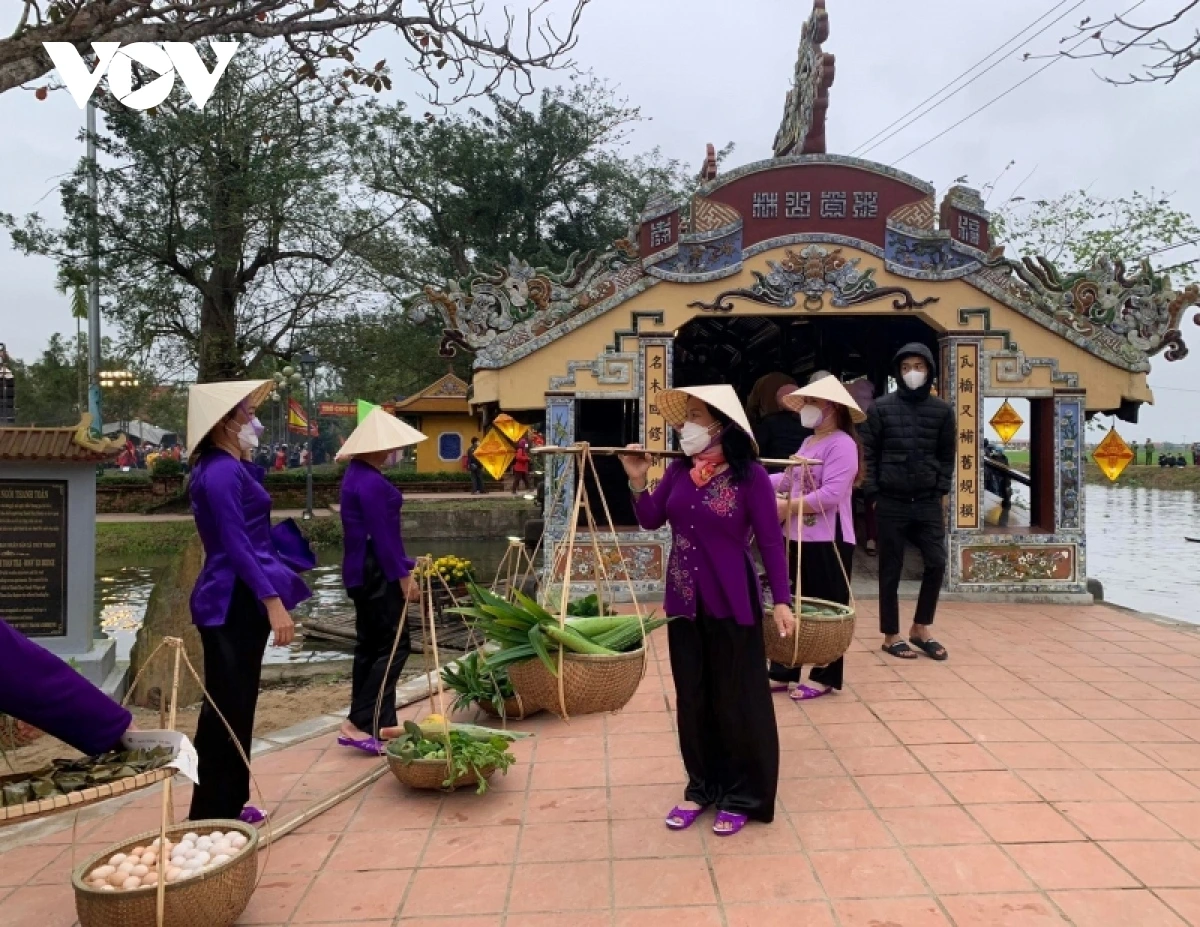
(441, 411)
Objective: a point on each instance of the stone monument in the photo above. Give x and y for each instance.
(48, 543)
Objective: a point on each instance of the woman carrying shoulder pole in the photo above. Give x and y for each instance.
(714, 500)
(378, 578)
(817, 509)
(243, 594)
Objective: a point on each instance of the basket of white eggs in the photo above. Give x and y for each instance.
(210, 870)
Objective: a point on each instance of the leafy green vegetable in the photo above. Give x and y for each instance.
(471, 752)
(475, 682)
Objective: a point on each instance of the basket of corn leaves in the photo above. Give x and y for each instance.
(75, 783)
(601, 658)
(476, 686)
(437, 754)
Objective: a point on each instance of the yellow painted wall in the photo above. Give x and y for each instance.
(523, 384)
(434, 426)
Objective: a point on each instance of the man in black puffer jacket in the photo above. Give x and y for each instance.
(908, 447)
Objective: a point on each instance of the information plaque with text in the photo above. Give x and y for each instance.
(33, 556)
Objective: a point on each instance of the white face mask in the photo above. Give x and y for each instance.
(914, 379)
(694, 439)
(811, 416)
(247, 437)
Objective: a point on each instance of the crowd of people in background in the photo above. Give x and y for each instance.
(145, 456)
(1172, 459)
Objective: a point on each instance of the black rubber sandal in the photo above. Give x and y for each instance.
(899, 651)
(931, 649)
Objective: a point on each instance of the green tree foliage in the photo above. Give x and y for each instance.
(1075, 229)
(47, 388)
(539, 183)
(380, 356)
(221, 231)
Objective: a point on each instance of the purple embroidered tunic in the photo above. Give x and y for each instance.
(39, 688)
(371, 510)
(712, 527)
(233, 518)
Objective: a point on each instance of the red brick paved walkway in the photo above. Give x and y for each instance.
(1048, 774)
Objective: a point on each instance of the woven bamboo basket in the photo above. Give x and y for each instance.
(431, 774)
(822, 638)
(515, 709)
(215, 899)
(590, 684)
(75, 800)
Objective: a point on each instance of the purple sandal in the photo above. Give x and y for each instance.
(252, 816)
(366, 745)
(733, 823)
(683, 818)
(804, 693)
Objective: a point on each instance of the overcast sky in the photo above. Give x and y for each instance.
(716, 71)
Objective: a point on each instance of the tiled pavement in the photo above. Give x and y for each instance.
(1048, 774)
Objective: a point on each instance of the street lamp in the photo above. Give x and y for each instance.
(119, 379)
(285, 379)
(308, 369)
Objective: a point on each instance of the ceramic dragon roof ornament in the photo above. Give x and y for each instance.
(492, 314)
(802, 130)
(1133, 313)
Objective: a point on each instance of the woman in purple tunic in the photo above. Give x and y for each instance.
(818, 509)
(378, 578)
(714, 501)
(46, 695)
(243, 594)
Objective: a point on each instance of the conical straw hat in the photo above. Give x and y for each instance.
(673, 405)
(208, 403)
(831, 390)
(379, 431)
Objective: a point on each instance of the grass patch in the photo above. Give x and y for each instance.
(142, 538)
(1180, 479)
(132, 538)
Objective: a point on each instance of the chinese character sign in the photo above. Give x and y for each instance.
(659, 233)
(967, 404)
(657, 434)
(790, 198)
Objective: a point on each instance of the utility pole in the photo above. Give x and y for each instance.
(94, 405)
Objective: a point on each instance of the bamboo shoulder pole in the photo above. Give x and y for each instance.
(615, 451)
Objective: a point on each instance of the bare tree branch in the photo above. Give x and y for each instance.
(450, 44)
(1169, 56)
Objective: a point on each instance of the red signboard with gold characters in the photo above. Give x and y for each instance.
(833, 199)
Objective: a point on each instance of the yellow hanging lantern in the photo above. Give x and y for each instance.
(495, 453)
(1113, 455)
(1006, 422)
(510, 427)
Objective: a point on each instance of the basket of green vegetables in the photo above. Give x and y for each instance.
(476, 686)
(447, 756)
(824, 632)
(583, 666)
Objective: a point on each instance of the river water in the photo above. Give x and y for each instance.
(1136, 548)
(123, 591)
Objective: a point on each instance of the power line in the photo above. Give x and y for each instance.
(1053, 61)
(1182, 244)
(977, 64)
